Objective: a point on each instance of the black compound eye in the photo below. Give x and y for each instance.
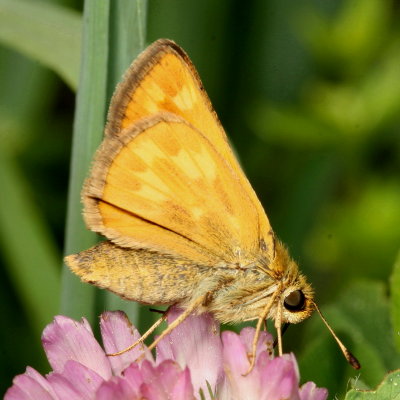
(295, 301)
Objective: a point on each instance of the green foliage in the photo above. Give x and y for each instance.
(21, 224)
(395, 303)
(361, 316)
(89, 120)
(46, 32)
(309, 93)
(389, 389)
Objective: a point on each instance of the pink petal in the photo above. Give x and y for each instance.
(64, 388)
(166, 381)
(30, 386)
(65, 339)
(309, 391)
(183, 389)
(117, 389)
(134, 377)
(236, 363)
(194, 343)
(41, 379)
(234, 353)
(76, 381)
(281, 379)
(265, 341)
(237, 347)
(118, 334)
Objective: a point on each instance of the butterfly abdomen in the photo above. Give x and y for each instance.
(131, 273)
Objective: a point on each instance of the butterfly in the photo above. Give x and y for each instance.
(183, 225)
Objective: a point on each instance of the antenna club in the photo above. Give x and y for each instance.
(347, 354)
(352, 360)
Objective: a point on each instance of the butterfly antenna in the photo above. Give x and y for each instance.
(352, 360)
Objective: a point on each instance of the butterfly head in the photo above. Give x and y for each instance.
(297, 303)
(295, 297)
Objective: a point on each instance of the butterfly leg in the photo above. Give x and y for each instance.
(261, 319)
(143, 337)
(278, 326)
(199, 301)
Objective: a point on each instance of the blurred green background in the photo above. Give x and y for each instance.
(309, 93)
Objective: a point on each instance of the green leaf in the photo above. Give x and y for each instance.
(395, 301)
(78, 299)
(46, 32)
(360, 317)
(389, 389)
(28, 246)
(127, 35)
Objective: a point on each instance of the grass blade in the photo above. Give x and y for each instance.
(78, 299)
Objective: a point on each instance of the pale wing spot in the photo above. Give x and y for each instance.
(152, 194)
(184, 99)
(205, 159)
(153, 90)
(186, 165)
(193, 87)
(148, 150)
(150, 176)
(150, 95)
(132, 198)
(197, 212)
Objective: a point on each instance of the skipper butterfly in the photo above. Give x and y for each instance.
(183, 224)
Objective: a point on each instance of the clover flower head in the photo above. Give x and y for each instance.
(194, 361)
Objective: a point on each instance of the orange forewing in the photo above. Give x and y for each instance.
(160, 84)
